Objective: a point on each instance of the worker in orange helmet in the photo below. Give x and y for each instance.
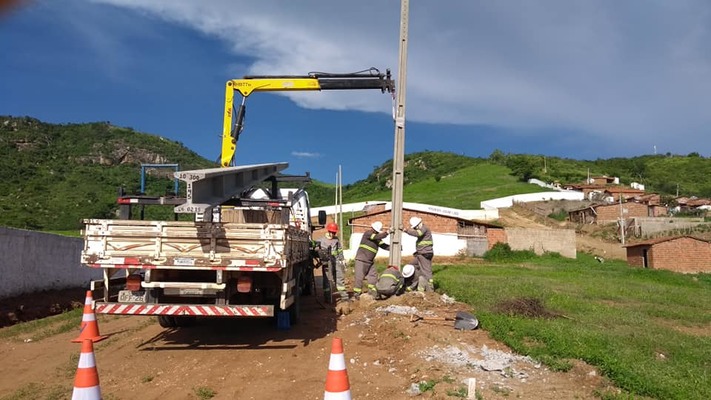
(332, 246)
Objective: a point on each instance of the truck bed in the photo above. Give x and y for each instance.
(192, 245)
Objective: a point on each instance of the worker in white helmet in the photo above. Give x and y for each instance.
(365, 257)
(423, 250)
(413, 278)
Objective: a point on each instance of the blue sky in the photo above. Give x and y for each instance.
(581, 79)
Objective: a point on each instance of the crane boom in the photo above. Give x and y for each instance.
(369, 79)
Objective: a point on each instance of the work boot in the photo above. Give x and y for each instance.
(343, 307)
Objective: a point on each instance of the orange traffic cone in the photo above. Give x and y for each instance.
(337, 386)
(89, 327)
(86, 382)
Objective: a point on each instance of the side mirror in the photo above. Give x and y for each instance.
(322, 217)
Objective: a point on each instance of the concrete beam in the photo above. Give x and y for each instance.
(207, 188)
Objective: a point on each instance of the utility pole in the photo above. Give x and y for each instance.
(340, 204)
(545, 167)
(399, 150)
(622, 221)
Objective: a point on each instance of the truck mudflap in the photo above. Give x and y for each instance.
(185, 310)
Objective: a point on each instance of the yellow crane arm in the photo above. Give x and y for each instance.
(369, 79)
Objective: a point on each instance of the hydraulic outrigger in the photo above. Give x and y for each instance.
(368, 79)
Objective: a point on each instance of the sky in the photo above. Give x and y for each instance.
(582, 79)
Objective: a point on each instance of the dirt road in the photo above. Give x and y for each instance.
(250, 359)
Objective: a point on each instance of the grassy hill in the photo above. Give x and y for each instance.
(52, 176)
(463, 188)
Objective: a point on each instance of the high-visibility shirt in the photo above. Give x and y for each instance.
(369, 245)
(423, 234)
(390, 282)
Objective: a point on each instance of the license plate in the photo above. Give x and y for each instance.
(127, 296)
(184, 261)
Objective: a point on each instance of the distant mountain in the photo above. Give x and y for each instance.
(52, 176)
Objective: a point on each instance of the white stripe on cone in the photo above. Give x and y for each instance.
(90, 393)
(337, 362)
(87, 360)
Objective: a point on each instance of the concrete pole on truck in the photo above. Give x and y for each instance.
(399, 150)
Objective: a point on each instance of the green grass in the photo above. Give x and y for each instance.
(466, 188)
(37, 391)
(204, 392)
(648, 331)
(70, 233)
(42, 328)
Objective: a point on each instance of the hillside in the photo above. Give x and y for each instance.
(52, 176)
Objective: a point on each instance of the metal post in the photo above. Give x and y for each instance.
(399, 150)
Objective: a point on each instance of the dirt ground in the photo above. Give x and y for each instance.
(387, 356)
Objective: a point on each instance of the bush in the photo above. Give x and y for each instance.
(501, 252)
(560, 215)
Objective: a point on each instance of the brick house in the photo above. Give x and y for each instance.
(451, 235)
(685, 254)
(609, 213)
(622, 192)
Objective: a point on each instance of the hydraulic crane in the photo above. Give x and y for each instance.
(369, 79)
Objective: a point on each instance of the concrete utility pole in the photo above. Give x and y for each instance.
(399, 150)
(622, 222)
(340, 204)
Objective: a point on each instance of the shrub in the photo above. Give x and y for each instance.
(501, 252)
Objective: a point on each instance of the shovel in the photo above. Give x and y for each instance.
(462, 321)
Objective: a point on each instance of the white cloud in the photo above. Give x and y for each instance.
(632, 72)
(304, 154)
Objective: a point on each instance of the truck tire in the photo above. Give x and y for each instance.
(167, 321)
(307, 284)
(184, 321)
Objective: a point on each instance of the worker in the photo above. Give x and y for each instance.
(365, 256)
(423, 250)
(332, 247)
(413, 278)
(391, 282)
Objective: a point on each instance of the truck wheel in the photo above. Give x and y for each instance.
(308, 282)
(184, 321)
(166, 321)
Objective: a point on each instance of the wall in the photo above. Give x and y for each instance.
(684, 254)
(374, 206)
(446, 245)
(495, 236)
(504, 202)
(36, 261)
(635, 256)
(649, 226)
(611, 213)
(543, 240)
